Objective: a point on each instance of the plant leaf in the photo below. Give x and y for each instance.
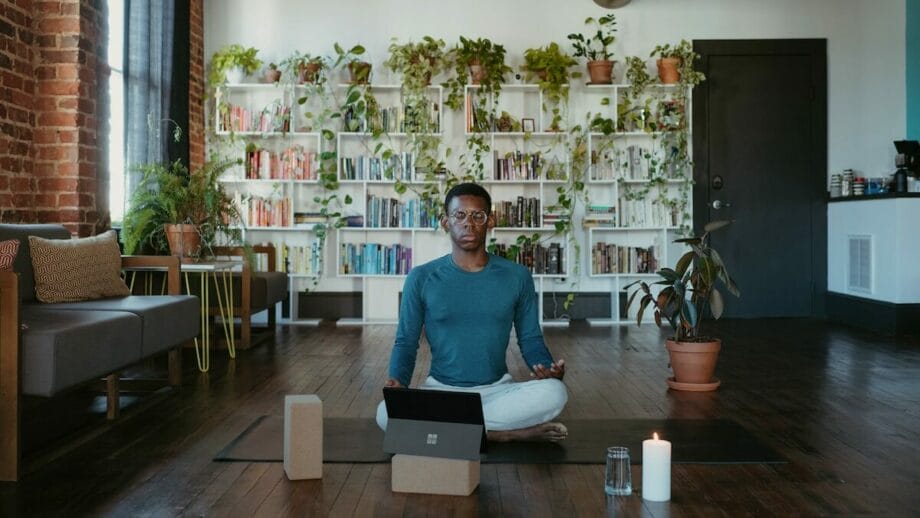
(716, 305)
(715, 225)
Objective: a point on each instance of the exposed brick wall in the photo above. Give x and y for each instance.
(54, 158)
(17, 85)
(196, 85)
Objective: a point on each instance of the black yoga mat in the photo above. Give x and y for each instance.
(693, 441)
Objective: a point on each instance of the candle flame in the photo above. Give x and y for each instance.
(655, 436)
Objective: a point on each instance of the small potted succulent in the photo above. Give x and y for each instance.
(596, 48)
(689, 291)
(675, 63)
(232, 63)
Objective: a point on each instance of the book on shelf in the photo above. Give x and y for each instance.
(291, 163)
(374, 259)
(273, 118)
(537, 258)
(308, 219)
(523, 212)
(374, 168)
(611, 258)
(517, 165)
(265, 212)
(393, 213)
(646, 213)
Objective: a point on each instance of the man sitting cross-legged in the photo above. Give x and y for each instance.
(467, 302)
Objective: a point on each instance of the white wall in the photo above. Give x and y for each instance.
(866, 50)
(866, 42)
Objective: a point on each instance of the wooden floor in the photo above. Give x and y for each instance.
(841, 405)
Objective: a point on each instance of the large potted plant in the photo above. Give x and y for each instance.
(596, 48)
(231, 63)
(689, 292)
(180, 212)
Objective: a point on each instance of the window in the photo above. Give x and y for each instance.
(117, 111)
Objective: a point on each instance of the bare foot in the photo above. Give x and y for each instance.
(550, 432)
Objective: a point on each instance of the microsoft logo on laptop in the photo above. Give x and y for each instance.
(432, 438)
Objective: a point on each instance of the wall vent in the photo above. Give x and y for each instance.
(860, 264)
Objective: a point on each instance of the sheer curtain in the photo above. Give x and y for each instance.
(156, 84)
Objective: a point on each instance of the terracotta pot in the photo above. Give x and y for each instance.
(668, 70)
(477, 72)
(601, 72)
(360, 72)
(694, 362)
(272, 76)
(309, 73)
(184, 241)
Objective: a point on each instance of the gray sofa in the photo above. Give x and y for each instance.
(46, 349)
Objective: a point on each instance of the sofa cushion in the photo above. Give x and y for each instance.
(77, 269)
(62, 349)
(167, 320)
(8, 251)
(23, 264)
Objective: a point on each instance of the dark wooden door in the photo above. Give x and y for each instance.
(760, 150)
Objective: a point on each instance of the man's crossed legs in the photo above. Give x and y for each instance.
(512, 411)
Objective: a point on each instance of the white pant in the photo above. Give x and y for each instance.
(507, 405)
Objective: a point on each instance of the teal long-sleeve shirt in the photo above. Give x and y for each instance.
(467, 317)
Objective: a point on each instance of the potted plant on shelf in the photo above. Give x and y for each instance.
(550, 65)
(231, 63)
(180, 212)
(689, 290)
(595, 48)
(418, 62)
(675, 63)
(305, 68)
(479, 61)
(272, 74)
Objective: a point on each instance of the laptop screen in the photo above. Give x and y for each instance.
(435, 405)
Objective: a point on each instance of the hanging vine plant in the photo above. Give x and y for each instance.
(550, 66)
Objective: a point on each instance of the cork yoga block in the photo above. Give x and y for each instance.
(434, 475)
(303, 437)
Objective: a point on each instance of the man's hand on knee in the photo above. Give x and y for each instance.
(393, 383)
(556, 370)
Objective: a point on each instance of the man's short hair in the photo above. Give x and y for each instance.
(468, 189)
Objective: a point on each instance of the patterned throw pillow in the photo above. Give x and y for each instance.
(8, 250)
(70, 270)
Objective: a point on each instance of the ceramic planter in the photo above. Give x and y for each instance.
(235, 75)
(601, 71)
(668, 70)
(184, 241)
(360, 72)
(694, 364)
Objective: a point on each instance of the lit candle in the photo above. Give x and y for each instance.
(656, 469)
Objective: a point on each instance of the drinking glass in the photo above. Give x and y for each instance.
(618, 479)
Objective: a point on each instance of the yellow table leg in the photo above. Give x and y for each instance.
(202, 356)
(226, 314)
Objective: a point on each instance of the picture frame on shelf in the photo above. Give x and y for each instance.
(528, 125)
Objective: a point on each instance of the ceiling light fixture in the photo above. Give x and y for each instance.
(611, 4)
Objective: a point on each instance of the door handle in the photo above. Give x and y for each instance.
(719, 204)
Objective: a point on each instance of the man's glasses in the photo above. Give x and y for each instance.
(477, 217)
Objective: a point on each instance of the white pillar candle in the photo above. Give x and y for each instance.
(656, 469)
